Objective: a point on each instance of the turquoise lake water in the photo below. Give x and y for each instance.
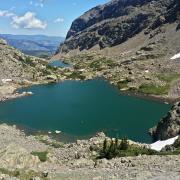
(80, 109)
(59, 63)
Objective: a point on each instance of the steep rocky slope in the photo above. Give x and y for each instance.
(169, 126)
(115, 22)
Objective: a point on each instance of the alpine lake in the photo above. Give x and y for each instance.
(80, 109)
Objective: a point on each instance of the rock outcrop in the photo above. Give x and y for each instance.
(75, 160)
(115, 22)
(19, 67)
(169, 126)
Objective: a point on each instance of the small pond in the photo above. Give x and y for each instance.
(59, 63)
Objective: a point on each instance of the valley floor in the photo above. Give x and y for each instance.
(24, 157)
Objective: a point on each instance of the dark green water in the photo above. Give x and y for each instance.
(80, 109)
(59, 63)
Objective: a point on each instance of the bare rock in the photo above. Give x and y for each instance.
(14, 156)
(3, 42)
(169, 126)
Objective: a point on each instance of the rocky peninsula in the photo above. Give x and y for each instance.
(20, 70)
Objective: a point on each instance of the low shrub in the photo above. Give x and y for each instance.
(154, 89)
(122, 84)
(177, 143)
(41, 155)
(116, 148)
(76, 75)
(168, 77)
(15, 173)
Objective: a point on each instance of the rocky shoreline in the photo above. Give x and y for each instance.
(133, 78)
(169, 126)
(19, 153)
(12, 92)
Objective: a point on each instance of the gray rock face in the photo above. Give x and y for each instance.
(113, 23)
(169, 126)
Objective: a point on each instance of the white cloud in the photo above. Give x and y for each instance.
(39, 3)
(28, 21)
(59, 20)
(5, 13)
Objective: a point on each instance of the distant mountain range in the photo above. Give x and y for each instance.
(37, 45)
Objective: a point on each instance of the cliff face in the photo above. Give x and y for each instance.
(169, 126)
(115, 22)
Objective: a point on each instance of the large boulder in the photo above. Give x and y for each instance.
(3, 42)
(169, 126)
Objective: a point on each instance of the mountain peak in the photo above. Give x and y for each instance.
(116, 21)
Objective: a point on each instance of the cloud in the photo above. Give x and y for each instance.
(6, 13)
(38, 3)
(59, 20)
(28, 21)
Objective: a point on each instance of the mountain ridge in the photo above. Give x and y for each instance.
(113, 23)
(37, 45)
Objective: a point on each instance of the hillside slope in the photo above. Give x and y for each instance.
(22, 158)
(117, 21)
(37, 45)
(18, 69)
(140, 37)
(18, 66)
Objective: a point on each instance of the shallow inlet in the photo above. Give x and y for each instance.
(80, 109)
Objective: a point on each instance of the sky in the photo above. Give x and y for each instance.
(48, 17)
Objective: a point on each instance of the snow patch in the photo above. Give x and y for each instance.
(6, 80)
(161, 144)
(57, 132)
(176, 56)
